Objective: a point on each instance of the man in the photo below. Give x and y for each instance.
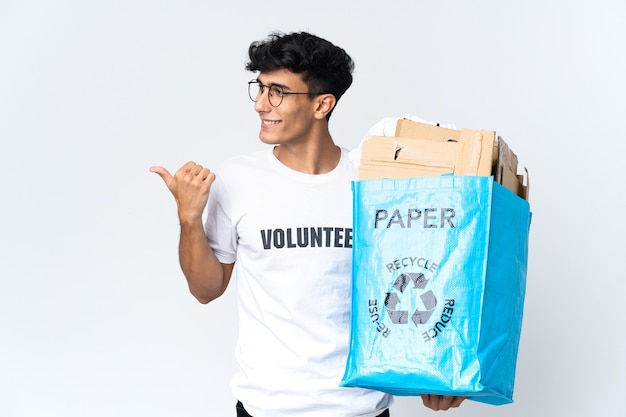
(280, 220)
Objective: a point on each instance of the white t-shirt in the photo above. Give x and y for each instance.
(290, 234)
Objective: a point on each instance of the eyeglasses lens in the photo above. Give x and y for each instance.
(256, 89)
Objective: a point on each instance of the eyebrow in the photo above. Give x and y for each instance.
(284, 87)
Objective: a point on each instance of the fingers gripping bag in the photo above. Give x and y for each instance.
(439, 278)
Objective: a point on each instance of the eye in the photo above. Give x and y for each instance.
(277, 91)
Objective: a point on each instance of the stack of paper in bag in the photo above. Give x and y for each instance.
(421, 150)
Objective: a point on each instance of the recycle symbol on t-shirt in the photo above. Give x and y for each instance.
(421, 313)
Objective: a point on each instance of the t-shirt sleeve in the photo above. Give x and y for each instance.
(218, 225)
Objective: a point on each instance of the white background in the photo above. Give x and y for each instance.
(95, 317)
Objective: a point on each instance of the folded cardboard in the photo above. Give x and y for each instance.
(411, 129)
(421, 150)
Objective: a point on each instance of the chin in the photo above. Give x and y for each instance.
(269, 140)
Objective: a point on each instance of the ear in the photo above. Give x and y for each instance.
(324, 104)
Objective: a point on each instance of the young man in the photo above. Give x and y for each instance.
(280, 220)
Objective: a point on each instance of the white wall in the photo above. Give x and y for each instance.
(95, 317)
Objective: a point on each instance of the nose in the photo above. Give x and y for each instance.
(262, 102)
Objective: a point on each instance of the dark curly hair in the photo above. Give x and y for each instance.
(324, 67)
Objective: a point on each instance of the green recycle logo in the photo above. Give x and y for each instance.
(420, 315)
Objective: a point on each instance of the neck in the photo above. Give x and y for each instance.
(312, 157)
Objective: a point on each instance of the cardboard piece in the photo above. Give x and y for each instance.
(411, 129)
(399, 157)
(422, 150)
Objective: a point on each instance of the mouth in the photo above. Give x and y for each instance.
(270, 123)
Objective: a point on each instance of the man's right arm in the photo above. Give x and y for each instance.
(206, 276)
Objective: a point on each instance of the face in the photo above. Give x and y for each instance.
(293, 120)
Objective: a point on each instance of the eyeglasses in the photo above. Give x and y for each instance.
(275, 94)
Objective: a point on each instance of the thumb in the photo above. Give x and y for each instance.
(163, 173)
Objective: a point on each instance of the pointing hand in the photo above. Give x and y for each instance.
(190, 187)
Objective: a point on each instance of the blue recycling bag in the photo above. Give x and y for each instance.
(438, 284)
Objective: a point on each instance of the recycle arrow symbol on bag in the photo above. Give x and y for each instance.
(393, 299)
